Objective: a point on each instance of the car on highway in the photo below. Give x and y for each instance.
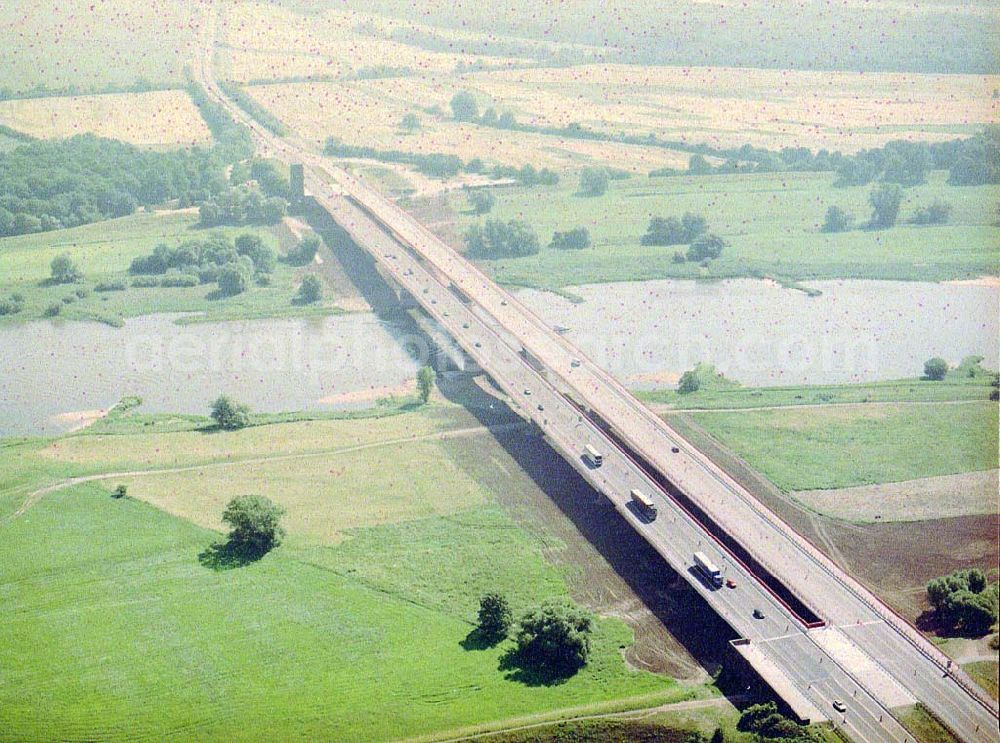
(465, 325)
(758, 614)
(541, 407)
(575, 363)
(730, 583)
(839, 705)
(527, 392)
(675, 450)
(478, 344)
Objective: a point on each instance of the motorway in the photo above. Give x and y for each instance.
(881, 668)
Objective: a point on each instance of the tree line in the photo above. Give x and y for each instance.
(50, 185)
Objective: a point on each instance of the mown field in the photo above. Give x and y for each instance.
(804, 448)
(771, 222)
(139, 635)
(161, 120)
(103, 251)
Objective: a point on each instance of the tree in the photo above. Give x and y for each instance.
(935, 368)
(963, 600)
(837, 220)
(489, 117)
(229, 414)
(425, 383)
(689, 383)
(120, 492)
(707, 246)
(481, 201)
(495, 617)
(507, 120)
(499, 239)
(234, 278)
(253, 247)
(410, 122)
(718, 736)
(269, 178)
(905, 163)
(463, 107)
(698, 165)
(304, 252)
(694, 226)
(593, 181)
(885, 200)
(664, 231)
(311, 289)
(255, 523)
(64, 271)
(555, 636)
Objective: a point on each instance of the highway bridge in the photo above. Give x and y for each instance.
(820, 636)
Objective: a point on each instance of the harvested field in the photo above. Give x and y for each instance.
(262, 42)
(964, 494)
(369, 113)
(729, 107)
(159, 119)
(91, 44)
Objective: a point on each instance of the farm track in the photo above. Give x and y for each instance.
(36, 495)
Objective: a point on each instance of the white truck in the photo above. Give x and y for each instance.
(593, 456)
(644, 503)
(708, 569)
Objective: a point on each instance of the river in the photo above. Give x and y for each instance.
(647, 333)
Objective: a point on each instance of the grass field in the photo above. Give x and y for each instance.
(805, 448)
(984, 672)
(771, 223)
(923, 726)
(729, 395)
(99, 43)
(104, 250)
(162, 119)
(135, 638)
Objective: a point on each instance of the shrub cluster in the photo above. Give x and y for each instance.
(500, 239)
(216, 258)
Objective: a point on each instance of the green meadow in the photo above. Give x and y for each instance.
(103, 252)
(117, 625)
(771, 222)
(818, 447)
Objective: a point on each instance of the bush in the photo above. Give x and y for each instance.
(311, 289)
(593, 181)
(120, 492)
(53, 309)
(178, 280)
(938, 212)
(481, 201)
(705, 247)
(837, 220)
(10, 306)
(689, 383)
(139, 282)
(230, 415)
(576, 239)
(935, 368)
(255, 523)
(555, 636)
(64, 271)
(965, 601)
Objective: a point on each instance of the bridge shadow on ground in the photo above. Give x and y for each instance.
(610, 568)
